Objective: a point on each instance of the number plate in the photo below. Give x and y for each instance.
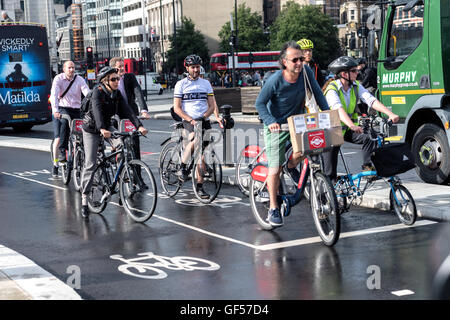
(20, 116)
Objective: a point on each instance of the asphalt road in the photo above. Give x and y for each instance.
(238, 261)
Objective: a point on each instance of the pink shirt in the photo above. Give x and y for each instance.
(72, 99)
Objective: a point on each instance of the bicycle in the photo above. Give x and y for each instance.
(203, 163)
(322, 198)
(348, 187)
(121, 172)
(74, 155)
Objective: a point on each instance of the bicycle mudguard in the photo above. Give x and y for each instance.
(260, 173)
(251, 151)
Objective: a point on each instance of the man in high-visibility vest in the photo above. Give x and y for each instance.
(343, 94)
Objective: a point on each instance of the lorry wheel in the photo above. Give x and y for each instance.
(432, 154)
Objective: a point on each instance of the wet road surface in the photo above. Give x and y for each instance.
(229, 257)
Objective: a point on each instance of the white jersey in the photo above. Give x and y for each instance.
(194, 96)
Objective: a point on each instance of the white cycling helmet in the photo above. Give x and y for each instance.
(202, 71)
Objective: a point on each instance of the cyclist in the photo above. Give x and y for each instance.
(65, 98)
(283, 95)
(342, 94)
(132, 93)
(194, 102)
(307, 47)
(106, 101)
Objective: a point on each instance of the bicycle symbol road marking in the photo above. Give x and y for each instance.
(151, 270)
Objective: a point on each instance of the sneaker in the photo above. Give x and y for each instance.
(183, 174)
(274, 217)
(85, 212)
(262, 196)
(202, 194)
(293, 173)
(55, 172)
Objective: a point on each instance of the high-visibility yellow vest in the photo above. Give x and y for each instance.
(350, 109)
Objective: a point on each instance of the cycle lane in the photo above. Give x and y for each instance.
(211, 232)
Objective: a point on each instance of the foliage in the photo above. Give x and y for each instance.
(188, 41)
(296, 22)
(251, 36)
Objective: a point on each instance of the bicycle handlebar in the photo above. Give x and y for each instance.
(369, 124)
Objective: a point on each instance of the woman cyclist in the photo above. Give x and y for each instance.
(106, 102)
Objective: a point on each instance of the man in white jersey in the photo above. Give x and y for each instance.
(194, 102)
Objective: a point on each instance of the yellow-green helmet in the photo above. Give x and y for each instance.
(305, 44)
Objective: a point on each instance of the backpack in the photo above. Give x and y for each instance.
(86, 103)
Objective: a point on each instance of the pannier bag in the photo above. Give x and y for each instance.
(392, 159)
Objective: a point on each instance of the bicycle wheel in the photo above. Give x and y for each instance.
(137, 189)
(97, 196)
(242, 172)
(78, 162)
(52, 154)
(403, 204)
(324, 208)
(260, 203)
(169, 164)
(66, 167)
(211, 171)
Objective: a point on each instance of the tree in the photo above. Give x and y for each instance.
(189, 41)
(296, 22)
(251, 36)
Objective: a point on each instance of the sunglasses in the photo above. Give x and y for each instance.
(114, 79)
(295, 60)
(354, 71)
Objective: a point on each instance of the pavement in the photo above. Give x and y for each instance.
(432, 202)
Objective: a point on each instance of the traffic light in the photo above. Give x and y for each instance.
(251, 58)
(140, 66)
(89, 58)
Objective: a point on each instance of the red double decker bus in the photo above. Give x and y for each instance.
(260, 60)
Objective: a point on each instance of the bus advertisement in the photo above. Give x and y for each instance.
(25, 76)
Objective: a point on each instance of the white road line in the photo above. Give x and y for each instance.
(401, 293)
(311, 240)
(32, 180)
(158, 131)
(271, 246)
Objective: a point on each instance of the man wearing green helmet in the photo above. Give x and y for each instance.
(307, 47)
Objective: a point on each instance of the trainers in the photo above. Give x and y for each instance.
(183, 174)
(202, 194)
(85, 212)
(55, 172)
(293, 173)
(274, 217)
(262, 196)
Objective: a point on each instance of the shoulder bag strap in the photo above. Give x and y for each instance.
(68, 88)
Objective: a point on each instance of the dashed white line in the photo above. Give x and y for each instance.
(401, 293)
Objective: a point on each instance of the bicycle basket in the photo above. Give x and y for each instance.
(392, 159)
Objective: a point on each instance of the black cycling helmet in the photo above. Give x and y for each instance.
(343, 63)
(192, 59)
(104, 72)
(362, 61)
